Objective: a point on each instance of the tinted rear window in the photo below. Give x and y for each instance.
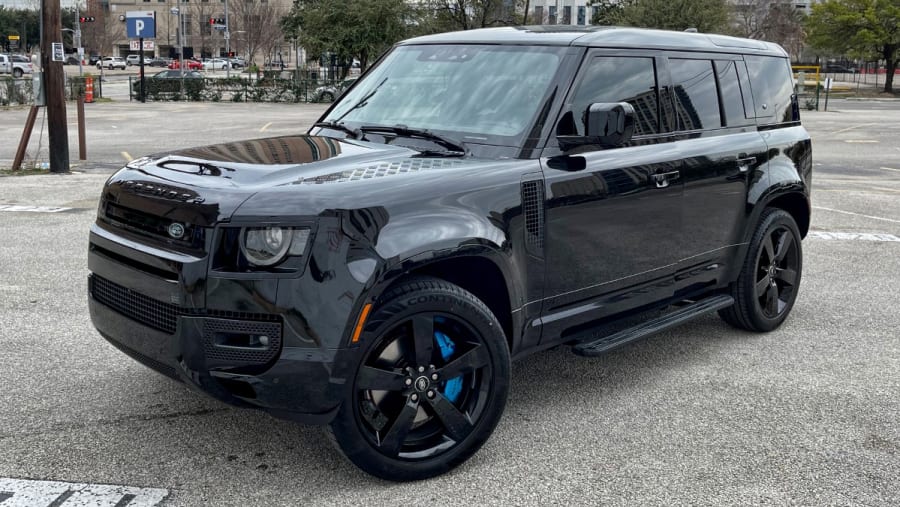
(696, 99)
(773, 86)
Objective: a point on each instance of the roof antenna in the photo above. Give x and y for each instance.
(690, 30)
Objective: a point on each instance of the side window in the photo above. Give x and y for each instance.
(694, 91)
(773, 86)
(733, 103)
(619, 79)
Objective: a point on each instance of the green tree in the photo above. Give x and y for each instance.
(706, 16)
(361, 29)
(861, 27)
(607, 12)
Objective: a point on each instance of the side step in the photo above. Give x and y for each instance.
(593, 345)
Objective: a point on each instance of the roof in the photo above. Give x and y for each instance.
(602, 36)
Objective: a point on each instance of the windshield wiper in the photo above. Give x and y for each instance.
(361, 102)
(454, 147)
(355, 133)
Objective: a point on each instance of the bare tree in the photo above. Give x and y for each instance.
(469, 14)
(206, 37)
(260, 24)
(777, 22)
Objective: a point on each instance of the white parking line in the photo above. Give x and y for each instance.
(30, 493)
(854, 127)
(857, 214)
(32, 209)
(853, 236)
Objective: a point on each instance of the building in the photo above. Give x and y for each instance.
(560, 12)
(254, 27)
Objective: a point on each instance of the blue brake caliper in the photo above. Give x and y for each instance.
(452, 387)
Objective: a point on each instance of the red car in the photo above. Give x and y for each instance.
(191, 65)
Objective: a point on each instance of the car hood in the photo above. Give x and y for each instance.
(214, 180)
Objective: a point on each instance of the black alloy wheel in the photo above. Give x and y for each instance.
(327, 97)
(430, 386)
(767, 287)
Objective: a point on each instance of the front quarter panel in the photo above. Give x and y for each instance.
(371, 231)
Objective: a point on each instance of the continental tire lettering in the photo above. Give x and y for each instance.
(425, 298)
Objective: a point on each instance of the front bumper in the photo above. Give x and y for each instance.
(156, 310)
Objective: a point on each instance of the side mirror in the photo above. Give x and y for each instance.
(606, 124)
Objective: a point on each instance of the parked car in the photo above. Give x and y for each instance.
(237, 63)
(330, 92)
(168, 81)
(160, 62)
(215, 64)
(72, 60)
(136, 60)
(93, 59)
(463, 205)
(190, 64)
(839, 69)
(17, 65)
(112, 62)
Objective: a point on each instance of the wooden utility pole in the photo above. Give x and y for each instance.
(54, 87)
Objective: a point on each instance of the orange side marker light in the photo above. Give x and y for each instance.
(361, 322)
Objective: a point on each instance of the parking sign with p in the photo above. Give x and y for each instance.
(140, 24)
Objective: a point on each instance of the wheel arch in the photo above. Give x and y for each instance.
(480, 273)
(797, 205)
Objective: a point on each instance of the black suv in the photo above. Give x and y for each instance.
(474, 198)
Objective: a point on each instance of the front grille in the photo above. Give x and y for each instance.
(146, 310)
(151, 225)
(157, 314)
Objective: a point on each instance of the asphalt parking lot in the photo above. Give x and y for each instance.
(699, 415)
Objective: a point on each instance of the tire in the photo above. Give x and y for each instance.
(769, 282)
(327, 97)
(400, 419)
(17, 73)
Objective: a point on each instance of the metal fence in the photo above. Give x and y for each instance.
(270, 86)
(20, 91)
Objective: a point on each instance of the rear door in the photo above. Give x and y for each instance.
(722, 153)
(613, 216)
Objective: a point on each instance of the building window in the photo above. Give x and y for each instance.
(581, 11)
(567, 15)
(538, 15)
(551, 14)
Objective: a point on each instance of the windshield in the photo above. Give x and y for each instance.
(480, 93)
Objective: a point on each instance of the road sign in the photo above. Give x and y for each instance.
(135, 45)
(140, 24)
(57, 52)
(13, 42)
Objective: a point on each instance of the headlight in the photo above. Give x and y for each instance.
(266, 246)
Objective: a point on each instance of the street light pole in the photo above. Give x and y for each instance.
(175, 11)
(227, 43)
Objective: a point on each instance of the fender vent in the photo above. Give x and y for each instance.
(533, 207)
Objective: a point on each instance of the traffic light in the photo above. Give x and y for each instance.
(216, 21)
(86, 19)
(231, 54)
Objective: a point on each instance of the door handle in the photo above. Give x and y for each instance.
(661, 180)
(744, 162)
